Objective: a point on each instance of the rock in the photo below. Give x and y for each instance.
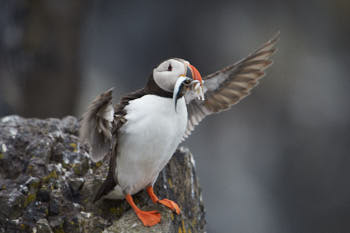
(42, 226)
(76, 185)
(43, 195)
(53, 207)
(47, 182)
(56, 223)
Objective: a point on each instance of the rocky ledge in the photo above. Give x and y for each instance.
(47, 182)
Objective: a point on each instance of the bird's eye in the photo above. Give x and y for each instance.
(187, 81)
(170, 68)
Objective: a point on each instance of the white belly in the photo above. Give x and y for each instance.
(147, 140)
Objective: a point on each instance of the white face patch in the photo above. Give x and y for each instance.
(167, 73)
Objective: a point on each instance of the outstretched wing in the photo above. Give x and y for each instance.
(96, 125)
(228, 86)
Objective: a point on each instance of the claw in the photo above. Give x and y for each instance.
(166, 202)
(171, 205)
(148, 218)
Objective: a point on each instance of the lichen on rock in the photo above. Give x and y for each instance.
(47, 182)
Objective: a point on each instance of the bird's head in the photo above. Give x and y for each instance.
(178, 76)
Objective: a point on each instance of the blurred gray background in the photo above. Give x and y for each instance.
(277, 162)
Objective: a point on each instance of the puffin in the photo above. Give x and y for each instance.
(140, 133)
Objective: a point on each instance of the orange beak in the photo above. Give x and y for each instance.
(195, 75)
(191, 73)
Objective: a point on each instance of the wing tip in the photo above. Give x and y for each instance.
(109, 92)
(107, 95)
(276, 37)
(273, 40)
(270, 44)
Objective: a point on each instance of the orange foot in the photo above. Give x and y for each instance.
(149, 218)
(168, 203)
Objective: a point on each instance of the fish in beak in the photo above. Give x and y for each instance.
(191, 80)
(197, 83)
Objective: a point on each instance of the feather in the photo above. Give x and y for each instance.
(228, 86)
(96, 125)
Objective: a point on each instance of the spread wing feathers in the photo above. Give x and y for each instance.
(228, 86)
(96, 125)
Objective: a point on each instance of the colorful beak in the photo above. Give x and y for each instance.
(196, 77)
(193, 73)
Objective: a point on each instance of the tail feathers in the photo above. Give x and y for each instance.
(96, 125)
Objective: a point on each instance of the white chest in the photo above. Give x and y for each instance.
(148, 139)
